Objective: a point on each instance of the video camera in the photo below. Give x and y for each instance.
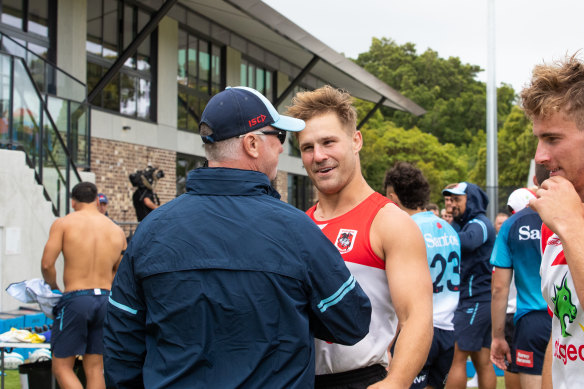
(146, 178)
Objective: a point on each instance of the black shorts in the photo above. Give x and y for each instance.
(353, 379)
(78, 325)
(509, 330)
(532, 334)
(435, 370)
(472, 325)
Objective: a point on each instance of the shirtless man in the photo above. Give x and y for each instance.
(381, 245)
(92, 246)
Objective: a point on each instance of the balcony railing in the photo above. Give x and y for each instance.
(26, 123)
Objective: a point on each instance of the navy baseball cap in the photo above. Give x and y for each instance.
(458, 190)
(239, 110)
(102, 198)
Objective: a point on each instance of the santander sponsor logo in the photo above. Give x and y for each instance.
(568, 352)
(441, 241)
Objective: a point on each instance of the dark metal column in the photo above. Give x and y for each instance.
(296, 81)
(370, 113)
(131, 49)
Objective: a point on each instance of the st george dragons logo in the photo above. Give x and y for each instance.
(563, 306)
(345, 240)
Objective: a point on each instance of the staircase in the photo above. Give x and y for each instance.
(43, 113)
(44, 140)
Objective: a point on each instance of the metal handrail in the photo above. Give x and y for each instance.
(38, 147)
(46, 112)
(3, 35)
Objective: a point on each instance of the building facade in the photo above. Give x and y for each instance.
(146, 112)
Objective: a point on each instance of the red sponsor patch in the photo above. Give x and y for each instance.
(554, 242)
(524, 358)
(438, 225)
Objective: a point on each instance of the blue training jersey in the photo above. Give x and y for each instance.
(518, 247)
(443, 251)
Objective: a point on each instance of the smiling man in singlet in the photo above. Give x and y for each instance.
(381, 245)
(92, 246)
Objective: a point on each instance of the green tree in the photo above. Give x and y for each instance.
(454, 99)
(384, 144)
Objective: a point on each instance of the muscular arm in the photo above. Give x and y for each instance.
(561, 209)
(53, 248)
(407, 271)
(500, 294)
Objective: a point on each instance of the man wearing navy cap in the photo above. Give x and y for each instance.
(226, 286)
(102, 204)
(472, 319)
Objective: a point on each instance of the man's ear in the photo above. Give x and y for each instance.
(357, 141)
(251, 145)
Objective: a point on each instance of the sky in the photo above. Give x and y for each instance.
(527, 32)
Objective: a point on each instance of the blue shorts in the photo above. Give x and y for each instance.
(435, 370)
(78, 325)
(472, 325)
(532, 334)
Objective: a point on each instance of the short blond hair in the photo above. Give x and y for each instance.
(306, 105)
(556, 87)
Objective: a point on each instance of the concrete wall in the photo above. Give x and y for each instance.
(71, 37)
(25, 221)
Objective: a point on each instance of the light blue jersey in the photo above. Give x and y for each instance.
(518, 247)
(443, 251)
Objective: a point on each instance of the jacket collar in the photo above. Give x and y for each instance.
(229, 182)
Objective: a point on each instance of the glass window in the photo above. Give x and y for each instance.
(12, 13)
(110, 30)
(257, 77)
(144, 98)
(111, 96)
(243, 76)
(182, 57)
(32, 18)
(184, 164)
(38, 17)
(144, 48)
(204, 65)
(94, 24)
(192, 62)
(299, 191)
(128, 32)
(198, 76)
(129, 92)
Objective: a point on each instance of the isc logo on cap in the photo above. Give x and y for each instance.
(257, 120)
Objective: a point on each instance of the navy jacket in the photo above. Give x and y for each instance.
(477, 238)
(226, 286)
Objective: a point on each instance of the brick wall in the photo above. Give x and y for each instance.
(281, 185)
(112, 162)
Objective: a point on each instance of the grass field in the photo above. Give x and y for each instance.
(12, 380)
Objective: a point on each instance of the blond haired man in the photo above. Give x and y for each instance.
(382, 246)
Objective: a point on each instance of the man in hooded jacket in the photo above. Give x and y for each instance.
(472, 319)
